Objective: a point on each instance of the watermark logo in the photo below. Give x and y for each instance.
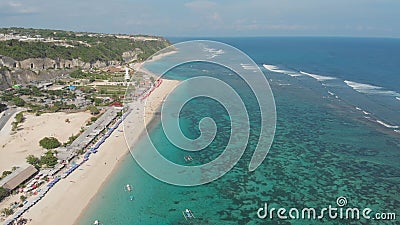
(340, 211)
(341, 201)
(215, 53)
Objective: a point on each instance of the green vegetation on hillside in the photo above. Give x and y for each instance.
(94, 47)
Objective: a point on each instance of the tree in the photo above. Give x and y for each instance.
(49, 143)
(19, 118)
(48, 159)
(3, 193)
(93, 118)
(34, 161)
(7, 211)
(22, 198)
(94, 110)
(98, 101)
(14, 126)
(3, 107)
(18, 101)
(5, 173)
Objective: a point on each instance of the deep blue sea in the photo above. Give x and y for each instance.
(337, 135)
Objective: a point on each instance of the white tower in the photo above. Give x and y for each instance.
(127, 77)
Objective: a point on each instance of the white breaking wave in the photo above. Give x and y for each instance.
(249, 66)
(213, 52)
(317, 77)
(370, 89)
(365, 112)
(387, 125)
(398, 98)
(276, 69)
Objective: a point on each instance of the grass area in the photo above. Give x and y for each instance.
(111, 90)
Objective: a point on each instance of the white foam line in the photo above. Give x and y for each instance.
(249, 67)
(387, 125)
(398, 98)
(276, 69)
(317, 77)
(358, 108)
(366, 113)
(214, 52)
(370, 89)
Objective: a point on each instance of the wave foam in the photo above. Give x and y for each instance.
(249, 66)
(387, 125)
(213, 52)
(317, 77)
(276, 69)
(370, 89)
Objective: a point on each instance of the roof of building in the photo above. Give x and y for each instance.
(116, 104)
(18, 177)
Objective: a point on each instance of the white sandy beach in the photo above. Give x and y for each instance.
(14, 148)
(64, 203)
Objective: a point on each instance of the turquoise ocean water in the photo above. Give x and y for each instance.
(328, 140)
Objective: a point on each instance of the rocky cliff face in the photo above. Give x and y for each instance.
(39, 64)
(13, 71)
(21, 76)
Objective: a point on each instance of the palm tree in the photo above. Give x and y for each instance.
(7, 211)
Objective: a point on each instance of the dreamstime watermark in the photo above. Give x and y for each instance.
(212, 87)
(338, 211)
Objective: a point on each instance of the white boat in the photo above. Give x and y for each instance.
(96, 222)
(128, 187)
(188, 158)
(188, 214)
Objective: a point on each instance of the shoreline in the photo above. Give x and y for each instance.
(103, 184)
(149, 124)
(85, 184)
